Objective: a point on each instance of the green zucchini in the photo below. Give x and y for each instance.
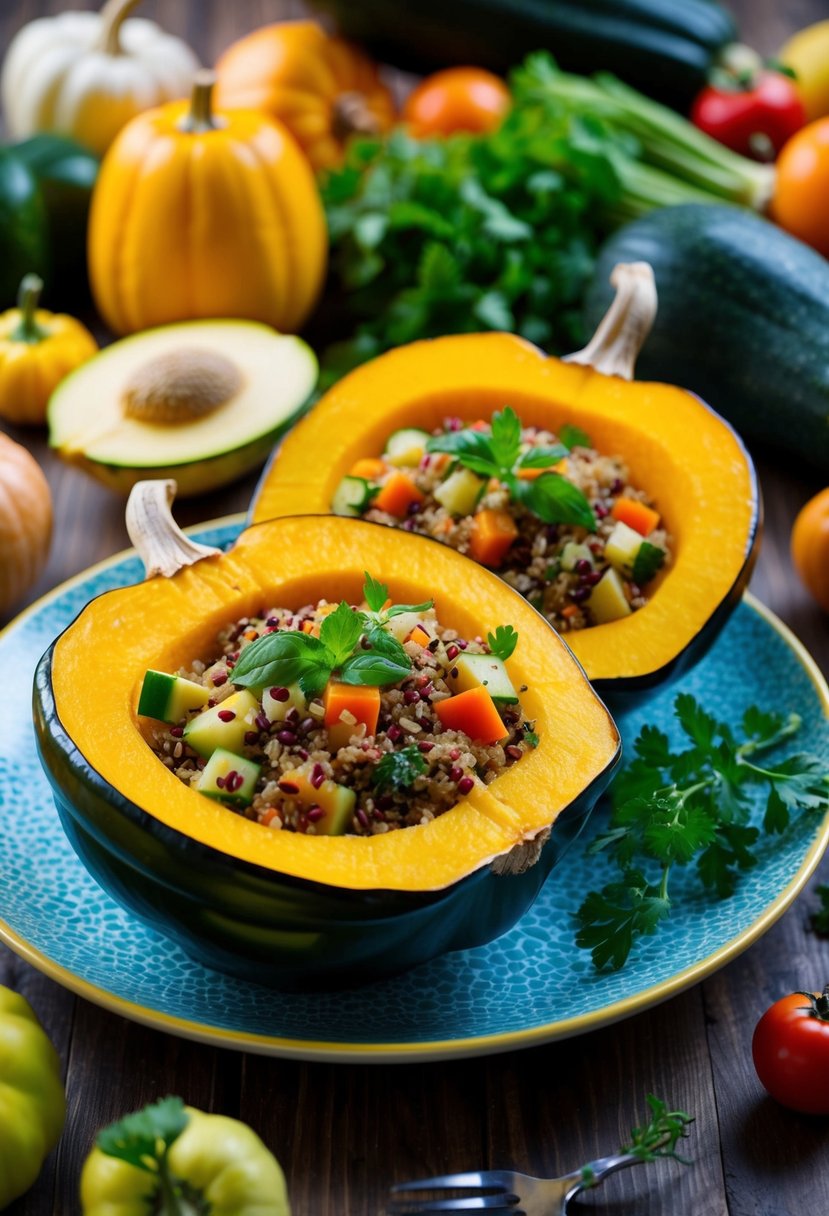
(743, 320)
(24, 240)
(663, 47)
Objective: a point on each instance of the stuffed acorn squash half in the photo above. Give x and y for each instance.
(627, 512)
(297, 908)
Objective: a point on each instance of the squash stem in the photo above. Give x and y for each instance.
(161, 544)
(169, 1198)
(622, 331)
(27, 300)
(112, 16)
(200, 116)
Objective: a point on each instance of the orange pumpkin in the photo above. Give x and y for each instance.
(810, 547)
(199, 215)
(25, 521)
(323, 89)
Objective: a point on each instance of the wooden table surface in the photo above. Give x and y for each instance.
(343, 1133)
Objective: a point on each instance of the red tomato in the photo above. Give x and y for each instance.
(755, 120)
(791, 1051)
(456, 99)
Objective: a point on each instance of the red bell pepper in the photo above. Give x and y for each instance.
(750, 108)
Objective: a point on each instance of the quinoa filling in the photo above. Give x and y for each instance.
(400, 720)
(559, 521)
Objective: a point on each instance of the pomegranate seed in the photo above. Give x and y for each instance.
(226, 715)
(286, 736)
(288, 787)
(279, 694)
(465, 786)
(452, 652)
(315, 813)
(425, 747)
(219, 678)
(455, 773)
(176, 731)
(251, 736)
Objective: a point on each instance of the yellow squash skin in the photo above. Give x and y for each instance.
(166, 622)
(690, 462)
(37, 350)
(221, 220)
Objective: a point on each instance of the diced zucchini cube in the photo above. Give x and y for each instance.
(621, 548)
(405, 448)
(573, 553)
(170, 698)
(488, 670)
(607, 601)
(228, 777)
(351, 497)
(336, 800)
(214, 728)
(401, 626)
(460, 491)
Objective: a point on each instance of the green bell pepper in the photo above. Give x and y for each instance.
(172, 1160)
(32, 1102)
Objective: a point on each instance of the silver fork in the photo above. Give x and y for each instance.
(494, 1191)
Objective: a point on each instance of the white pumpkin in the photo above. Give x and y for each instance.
(87, 74)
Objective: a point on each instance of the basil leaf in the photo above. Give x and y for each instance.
(574, 437)
(340, 632)
(471, 448)
(506, 437)
(275, 658)
(397, 609)
(371, 667)
(648, 560)
(384, 643)
(374, 593)
(542, 458)
(555, 500)
(503, 642)
(315, 674)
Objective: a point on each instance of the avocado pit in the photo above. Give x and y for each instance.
(181, 386)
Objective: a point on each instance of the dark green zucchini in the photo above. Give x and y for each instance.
(663, 47)
(24, 240)
(743, 320)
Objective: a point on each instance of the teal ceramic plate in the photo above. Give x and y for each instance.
(530, 986)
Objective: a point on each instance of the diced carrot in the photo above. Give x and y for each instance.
(268, 816)
(370, 468)
(358, 701)
(474, 713)
(570, 610)
(310, 627)
(531, 474)
(636, 515)
(438, 461)
(492, 534)
(396, 494)
(479, 425)
(420, 636)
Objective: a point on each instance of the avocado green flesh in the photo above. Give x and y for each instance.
(87, 423)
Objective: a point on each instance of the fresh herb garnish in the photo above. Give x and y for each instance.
(530, 736)
(820, 920)
(690, 807)
(502, 643)
(648, 560)
(289, 656)
(574, 437)
(551, 497)
(398, 770)
(144, 1138)
(660, 1136)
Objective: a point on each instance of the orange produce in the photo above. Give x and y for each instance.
(801, 188)
(456, 99)
(397, 494)
(492, 534)
(810, 547)
(636, 515)
(323, 89)
(197, 215)
(473, 712)
(25, 521)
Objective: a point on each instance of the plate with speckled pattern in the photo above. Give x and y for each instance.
(530, 986)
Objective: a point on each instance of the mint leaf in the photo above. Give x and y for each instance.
(373, 668)
(340, 632)
(503, 642)
(374, 593)
(648, 560)
(574, 437)
(555, 500)
(398, 770)
(143, 1137)
(506, 438)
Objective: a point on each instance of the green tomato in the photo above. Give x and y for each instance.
(32, 1101)
(220, 1164)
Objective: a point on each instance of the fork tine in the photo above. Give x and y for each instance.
(476, 1203)
(479, 1179)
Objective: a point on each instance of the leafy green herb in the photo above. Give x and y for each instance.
(690, 807)
(530, 736)
(289, 656)
(398, 770)
(648, 560)
(502, 643)
(551, 497)
(144, 1138)
(574, 437)
(820, 919)
(661, 1134)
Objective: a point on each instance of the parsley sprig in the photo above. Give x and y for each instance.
(551, 497)
(354, 644)
(503, 641)
(691, 807)
(399, 770)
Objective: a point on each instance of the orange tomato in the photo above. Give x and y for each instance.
(802, 186)
(456, 99)
(810, 547)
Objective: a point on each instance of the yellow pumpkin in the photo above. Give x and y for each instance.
(87, 74)
(25, 521)
(199, 215)
(323, 89)
(37, 350)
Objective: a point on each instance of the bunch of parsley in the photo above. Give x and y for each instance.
(691, 807)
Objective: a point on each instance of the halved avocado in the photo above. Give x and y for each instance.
(202, 401)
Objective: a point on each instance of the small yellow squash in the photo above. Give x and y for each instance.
(87, 74)
(37, 350)
(198, 215)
